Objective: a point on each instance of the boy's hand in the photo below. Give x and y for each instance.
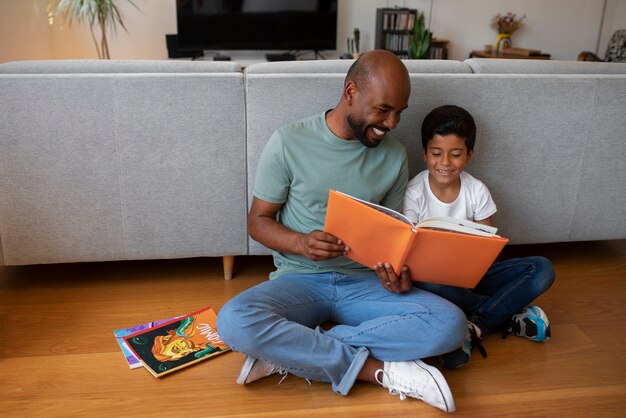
(318, 245)
(390, 281)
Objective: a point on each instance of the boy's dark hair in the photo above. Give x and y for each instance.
(449, 119)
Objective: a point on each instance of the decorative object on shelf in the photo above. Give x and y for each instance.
(419, 39)
(353, 46)
(503, 43)
(104, 13)
(505, 25)
(615, 50)
(357, 41)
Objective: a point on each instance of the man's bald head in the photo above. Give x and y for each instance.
(378, 64)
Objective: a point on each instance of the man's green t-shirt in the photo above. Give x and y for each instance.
(304, 160)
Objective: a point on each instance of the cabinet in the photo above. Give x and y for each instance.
(391, 33)
(391, 29)
(438, 49)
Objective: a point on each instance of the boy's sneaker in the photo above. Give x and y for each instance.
(417, 380)
(460, 356)
(255, 369)
(531, 323)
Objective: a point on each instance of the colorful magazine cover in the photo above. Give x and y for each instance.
(178, 343)
(133, 362)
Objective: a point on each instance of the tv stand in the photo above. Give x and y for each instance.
(281, 56)
(220, 57)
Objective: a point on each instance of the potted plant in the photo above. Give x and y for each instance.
(419, 39)
(104, 13)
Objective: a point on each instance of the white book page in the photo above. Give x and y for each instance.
(459, 225)
(380, 208)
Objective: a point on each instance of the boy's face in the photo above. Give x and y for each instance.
(446, 157)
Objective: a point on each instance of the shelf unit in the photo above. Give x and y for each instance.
(392, 25)
(438, 49)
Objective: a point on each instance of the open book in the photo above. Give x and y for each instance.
(438, 250)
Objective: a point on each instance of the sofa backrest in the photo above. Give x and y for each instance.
(121, 160)
(514, 66)
(117, 66)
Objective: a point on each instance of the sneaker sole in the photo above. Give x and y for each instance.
(245, 370)
(444, 389)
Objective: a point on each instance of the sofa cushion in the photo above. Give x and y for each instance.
(514, 66)
(117, 66)
(342, 66)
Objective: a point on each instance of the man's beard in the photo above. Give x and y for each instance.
(359, 129)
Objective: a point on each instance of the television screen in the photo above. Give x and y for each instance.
(257, 24)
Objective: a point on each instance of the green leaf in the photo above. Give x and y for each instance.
(419, 39)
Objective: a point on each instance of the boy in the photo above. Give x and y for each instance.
(502, 296)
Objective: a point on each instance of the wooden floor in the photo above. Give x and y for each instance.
(59, 357)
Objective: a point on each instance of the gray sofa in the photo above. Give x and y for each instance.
(124, 160)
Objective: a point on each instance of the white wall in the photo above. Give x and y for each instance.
(24, 32)
(562, 28)
(144, 39)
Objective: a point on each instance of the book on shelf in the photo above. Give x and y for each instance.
(396, 42)
(133, 362)
(397, 20)
(178, 343)
(438, 250)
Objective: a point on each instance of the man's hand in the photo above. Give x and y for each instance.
(390, 281)
(318, 245)
(264, 228)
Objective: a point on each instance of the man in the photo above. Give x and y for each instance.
(383, 323)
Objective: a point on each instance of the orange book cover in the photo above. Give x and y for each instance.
(451, 252)
(178, 343)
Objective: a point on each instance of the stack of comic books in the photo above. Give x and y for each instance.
(171, 344)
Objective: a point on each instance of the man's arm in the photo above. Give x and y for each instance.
(264, 228)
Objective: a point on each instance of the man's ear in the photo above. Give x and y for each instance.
(470, 154)
(349, 92)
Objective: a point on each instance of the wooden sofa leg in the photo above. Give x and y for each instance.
(229, 261)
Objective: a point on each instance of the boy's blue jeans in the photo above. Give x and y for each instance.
(278, 321)
(506, 289)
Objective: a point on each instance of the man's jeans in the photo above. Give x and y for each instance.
(278, 321)
(506, 289)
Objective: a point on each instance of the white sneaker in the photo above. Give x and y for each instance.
(417, 380)
(254, 369)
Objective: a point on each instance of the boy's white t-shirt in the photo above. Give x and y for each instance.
(474, 202)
